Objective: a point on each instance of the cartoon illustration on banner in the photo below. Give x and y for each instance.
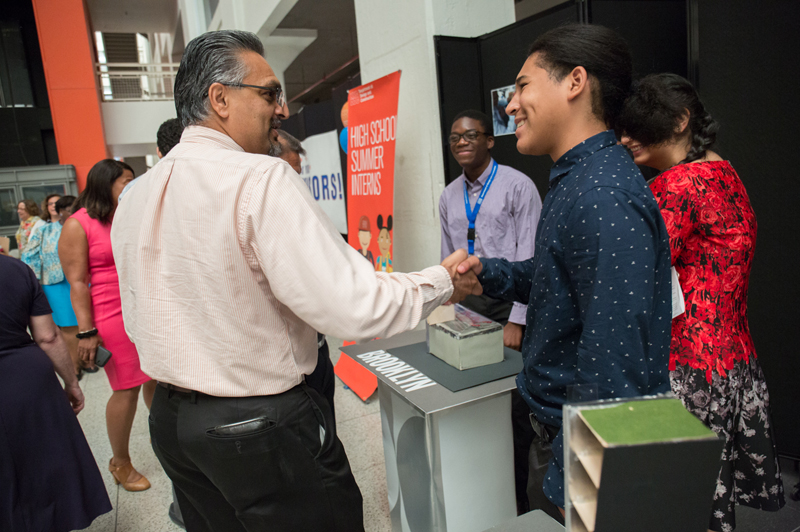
(371, 119)
(384, 262)
(365, 238)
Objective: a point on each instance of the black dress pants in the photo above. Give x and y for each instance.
(323, 379)
(290, 475)
(539, 456)
(523, 435)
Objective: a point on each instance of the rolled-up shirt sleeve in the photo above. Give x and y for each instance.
(318, 276)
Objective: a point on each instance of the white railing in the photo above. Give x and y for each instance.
(135, 82)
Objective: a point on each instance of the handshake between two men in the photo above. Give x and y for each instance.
(463, 270)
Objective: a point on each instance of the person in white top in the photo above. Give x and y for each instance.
(227, 267)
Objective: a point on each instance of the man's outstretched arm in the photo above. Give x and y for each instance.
(502, 279)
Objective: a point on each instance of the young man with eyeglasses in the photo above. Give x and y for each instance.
(504, 221)
(504, 207)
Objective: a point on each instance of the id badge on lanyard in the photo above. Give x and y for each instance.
(472, 215)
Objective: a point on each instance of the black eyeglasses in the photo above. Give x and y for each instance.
(471, 135)
(277, 92)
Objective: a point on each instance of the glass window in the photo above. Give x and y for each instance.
(8, 207)
(38, 193)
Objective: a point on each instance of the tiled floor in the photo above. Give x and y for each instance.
(359, 427)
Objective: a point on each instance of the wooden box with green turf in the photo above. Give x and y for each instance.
(644, 464)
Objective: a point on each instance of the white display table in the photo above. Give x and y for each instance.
(449, 456)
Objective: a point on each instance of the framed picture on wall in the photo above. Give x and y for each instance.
(503, 124)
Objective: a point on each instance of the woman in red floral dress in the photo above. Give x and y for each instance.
(712, 230)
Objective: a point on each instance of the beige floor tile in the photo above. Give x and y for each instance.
(362, 441)
(104, 523)
(372, 482)
(93, 381)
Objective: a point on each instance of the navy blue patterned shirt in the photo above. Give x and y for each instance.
(597, 289)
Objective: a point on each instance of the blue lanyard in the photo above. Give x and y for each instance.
(472, 215)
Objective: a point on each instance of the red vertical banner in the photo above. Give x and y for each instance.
(371, 127)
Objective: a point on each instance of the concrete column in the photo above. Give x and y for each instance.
(399, 36)
(193, 19)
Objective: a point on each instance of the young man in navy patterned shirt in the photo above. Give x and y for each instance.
(598, 285)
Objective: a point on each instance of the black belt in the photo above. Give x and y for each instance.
(546, 432)
(180, 389)
(173, 388)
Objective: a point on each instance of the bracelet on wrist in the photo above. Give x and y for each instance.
(86, 334)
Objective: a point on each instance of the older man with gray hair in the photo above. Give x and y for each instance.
(218, 250)
(290, 150)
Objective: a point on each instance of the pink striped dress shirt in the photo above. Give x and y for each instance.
(227, 266)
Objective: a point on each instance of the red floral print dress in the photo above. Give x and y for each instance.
(712, 236)
(713, 365)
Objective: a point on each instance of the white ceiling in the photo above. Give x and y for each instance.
(133, 16)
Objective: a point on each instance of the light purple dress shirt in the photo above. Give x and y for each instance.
(506, 224)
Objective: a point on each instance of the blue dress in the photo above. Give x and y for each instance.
(49, 479)
(41, 254)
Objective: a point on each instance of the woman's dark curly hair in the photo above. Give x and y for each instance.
(654, 110)
(96, 197)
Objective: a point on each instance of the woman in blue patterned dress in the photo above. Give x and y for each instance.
(41, 254)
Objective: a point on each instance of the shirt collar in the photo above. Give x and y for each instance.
(569, 160)
(206, 135)
(481, 178)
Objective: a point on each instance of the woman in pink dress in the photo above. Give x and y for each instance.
(88, 263)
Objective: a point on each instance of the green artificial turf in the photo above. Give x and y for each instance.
(646, 421)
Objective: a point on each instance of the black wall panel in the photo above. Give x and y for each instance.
(502, 55)
(460, 87)
(655, 30)
(26, 133)
(21, 142)
(311, 120)
(748, 75)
